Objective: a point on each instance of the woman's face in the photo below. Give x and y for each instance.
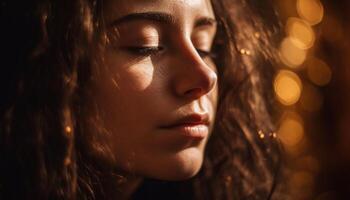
(159, 97)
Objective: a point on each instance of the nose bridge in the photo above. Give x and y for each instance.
(195, 78)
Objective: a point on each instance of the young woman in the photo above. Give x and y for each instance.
(151, 99)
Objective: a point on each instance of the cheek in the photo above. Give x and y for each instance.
(119, 90)
(127, 93)
(137, 77)
(133, 75)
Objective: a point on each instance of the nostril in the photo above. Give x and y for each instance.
(194, 93)
(198, 84)
(203, 86)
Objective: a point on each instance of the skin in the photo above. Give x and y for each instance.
(141, 92)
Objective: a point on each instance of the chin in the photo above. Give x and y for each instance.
(182, 166)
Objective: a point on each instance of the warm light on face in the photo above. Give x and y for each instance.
(158, 96)
(300, 32)
(287, 87)
(291, 130)
(310, 10)
(291, 54)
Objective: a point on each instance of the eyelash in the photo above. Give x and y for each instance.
(152, 50)
(145, 51)
(206, 54)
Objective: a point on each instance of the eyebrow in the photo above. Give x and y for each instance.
(161, 17)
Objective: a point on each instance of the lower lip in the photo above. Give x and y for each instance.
(199, 131)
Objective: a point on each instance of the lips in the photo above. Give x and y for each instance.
(193, 125)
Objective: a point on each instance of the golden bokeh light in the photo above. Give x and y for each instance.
(291, 130)
(300, 33)
(296, 86)
(291, 54)
(310, 10)
(319, 72)
(288, 87)
(68, 131)
(311, 99)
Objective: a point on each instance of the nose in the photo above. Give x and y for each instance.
(195, 77)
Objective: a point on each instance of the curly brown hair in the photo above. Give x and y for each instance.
(51, 135)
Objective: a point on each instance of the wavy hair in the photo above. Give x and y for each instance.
(51, 133)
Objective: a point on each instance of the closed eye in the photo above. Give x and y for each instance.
(152, 50)
(206, 54)
(144, 50)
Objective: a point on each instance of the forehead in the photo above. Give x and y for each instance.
(181, 9)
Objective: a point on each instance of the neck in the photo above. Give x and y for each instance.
(120, 185)
(127, 186)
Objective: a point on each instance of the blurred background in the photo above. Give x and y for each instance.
(312, 86)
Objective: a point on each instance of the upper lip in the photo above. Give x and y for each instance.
(190, 119)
